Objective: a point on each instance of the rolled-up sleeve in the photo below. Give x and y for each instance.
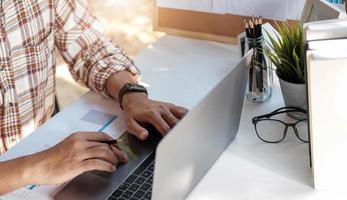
(90, 55)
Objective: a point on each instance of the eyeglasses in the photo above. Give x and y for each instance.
(267, 127)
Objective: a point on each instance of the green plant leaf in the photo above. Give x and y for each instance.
(297, 64)
(287, 52)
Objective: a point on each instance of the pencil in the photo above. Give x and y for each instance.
(252, 81)
(256, 26)
(261, 20)
(261, 55)
(251, 26)
(248, 35)
(261, 25)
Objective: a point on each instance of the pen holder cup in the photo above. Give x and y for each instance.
(260, 76)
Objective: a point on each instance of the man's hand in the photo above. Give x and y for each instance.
(78, 153)
(139, 110)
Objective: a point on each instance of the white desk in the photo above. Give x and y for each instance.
(182, 71)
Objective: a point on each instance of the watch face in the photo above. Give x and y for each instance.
(133, 87)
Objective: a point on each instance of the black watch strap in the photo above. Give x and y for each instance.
(129, 88)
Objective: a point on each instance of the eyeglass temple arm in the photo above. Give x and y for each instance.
(278, 111)
(289, 109)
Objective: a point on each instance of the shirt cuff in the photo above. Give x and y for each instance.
(112, 70)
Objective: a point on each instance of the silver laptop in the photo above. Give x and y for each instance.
(170, 168)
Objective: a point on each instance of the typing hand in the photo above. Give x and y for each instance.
(78, 153)
(140, 110)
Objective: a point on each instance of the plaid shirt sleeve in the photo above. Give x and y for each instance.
(91, 57)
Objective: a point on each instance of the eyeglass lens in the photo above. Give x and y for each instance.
(270, 130)
(302, 130)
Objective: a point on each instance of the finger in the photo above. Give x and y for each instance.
(159, 123)
(95, 164)
(178, 111)
(78, 144)
(134, 128)
(92, 144)
(96, 136)
(122, 157)
(170, 118)
(103, 152)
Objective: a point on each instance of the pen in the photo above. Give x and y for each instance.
(110, 142)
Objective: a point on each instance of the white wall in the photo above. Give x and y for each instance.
(276, 9)
(197, 5)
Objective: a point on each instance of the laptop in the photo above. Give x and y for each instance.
(169, 168)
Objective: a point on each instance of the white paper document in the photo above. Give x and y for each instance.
(89, 113)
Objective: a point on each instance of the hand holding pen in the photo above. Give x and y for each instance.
(78, 153)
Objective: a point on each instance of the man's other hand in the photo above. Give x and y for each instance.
(139, 111)
(78, 153)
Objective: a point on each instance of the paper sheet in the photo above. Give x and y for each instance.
(95, 114)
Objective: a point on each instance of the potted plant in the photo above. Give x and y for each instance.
(287, 55)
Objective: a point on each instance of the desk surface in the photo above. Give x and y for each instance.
(182, 71)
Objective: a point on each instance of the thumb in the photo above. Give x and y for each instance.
(134, 128)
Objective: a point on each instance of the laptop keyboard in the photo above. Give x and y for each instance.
(138, 186)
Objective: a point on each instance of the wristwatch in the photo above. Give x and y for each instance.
(129, 88)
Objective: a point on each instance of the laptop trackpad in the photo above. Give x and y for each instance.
(90, 186)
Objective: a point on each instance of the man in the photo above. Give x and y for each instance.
(29, 32)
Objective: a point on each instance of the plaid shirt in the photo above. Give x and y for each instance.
(30, 30)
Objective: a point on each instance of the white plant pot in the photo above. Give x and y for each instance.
(294, 95)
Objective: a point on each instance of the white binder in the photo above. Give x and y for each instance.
(327, 102)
